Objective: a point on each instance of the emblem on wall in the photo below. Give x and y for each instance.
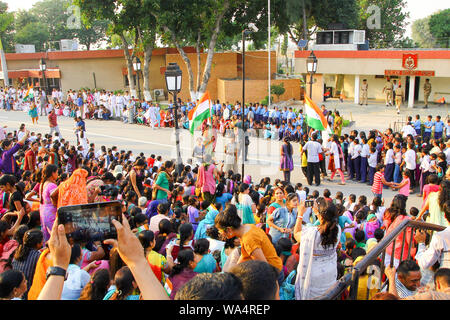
(410, 61)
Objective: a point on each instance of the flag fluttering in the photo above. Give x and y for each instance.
(200, 112)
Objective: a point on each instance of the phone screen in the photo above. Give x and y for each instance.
(91, 221)
(309, 203)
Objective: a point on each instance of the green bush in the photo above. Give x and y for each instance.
(265, 101)
(277, 90)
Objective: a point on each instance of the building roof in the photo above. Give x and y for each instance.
(374, 54)
(91, 54)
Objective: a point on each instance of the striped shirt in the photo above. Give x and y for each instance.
(402, 291)
(27, 266)
(377, 186)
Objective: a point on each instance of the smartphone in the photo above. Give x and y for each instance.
(309, 203)
(91, 221)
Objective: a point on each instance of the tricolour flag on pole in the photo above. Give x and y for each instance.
(315, 119)
(200, 112)
(314, 116)
(29, 94)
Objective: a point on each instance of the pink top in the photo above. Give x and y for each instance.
(405, 189)
(209, 183)
(427, 189)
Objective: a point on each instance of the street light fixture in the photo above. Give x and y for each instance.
(43, 68)
(137, 68)
(173, 76)
(251, 28)
(311, 68)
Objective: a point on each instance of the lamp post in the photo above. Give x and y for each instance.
(43, 68)
(311, 68)
(251, 28)
(137, 68)
(173, 82)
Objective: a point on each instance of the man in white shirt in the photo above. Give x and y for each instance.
(410, 164)
(447, 152)
(356, 159)
(408, 129)
(313, 149)
(425, 167)
(365, 151)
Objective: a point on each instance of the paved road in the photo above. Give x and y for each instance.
(263, 155)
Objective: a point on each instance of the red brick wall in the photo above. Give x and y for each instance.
(256, 90)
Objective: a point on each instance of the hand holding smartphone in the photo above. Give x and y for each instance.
(93, 220)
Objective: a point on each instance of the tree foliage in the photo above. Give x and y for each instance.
(277, 89)
(439, 25)
(392, 22)
(421, 33)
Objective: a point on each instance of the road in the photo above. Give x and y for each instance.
(263, 155)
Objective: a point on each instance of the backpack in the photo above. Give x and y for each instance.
(287, 289)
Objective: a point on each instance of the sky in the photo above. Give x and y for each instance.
(418, 9)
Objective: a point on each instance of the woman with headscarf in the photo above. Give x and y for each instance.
(73, 191)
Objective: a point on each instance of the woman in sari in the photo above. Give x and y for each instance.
(317, 271)
(47, 209)
(338, 122)
(279, 202)
(244, 204)
(336, 159)
(73, 191)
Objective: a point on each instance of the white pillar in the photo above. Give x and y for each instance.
(357, 89)
(412, 83)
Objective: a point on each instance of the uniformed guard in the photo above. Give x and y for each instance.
(399, 97)
(387, 90)
(364, 93)
(426, 91)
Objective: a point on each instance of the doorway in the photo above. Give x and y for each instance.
(416, 88)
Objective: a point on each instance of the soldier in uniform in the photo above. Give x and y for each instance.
(387, 90)
(426, 92)
(364, 93)
(398, 97)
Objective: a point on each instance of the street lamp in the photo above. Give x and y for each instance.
(43, 68)
(173, 76)
(311, 68)
(251, 28)
(137, 68)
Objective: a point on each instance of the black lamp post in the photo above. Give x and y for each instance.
(311, 68)
(137, 68)
(173, 76)
(43, 68)
(245, 32)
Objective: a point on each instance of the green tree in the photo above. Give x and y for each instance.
(6, 27)
(33, 33)
(421, 33)
(277, 90)
(392, 19)
(440, 27)
(90, 34)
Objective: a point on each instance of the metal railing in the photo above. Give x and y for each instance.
(350, 280)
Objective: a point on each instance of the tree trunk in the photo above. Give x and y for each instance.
(212, 45)
(128, 59)
(148, 51)
(305, 28)
(186, 60)
(198, 62)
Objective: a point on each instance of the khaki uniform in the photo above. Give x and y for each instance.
(388, 87)
(364, 93)
(398, 97)
(426, 92)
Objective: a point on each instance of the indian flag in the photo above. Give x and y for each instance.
(200, 112)
(314, 116)
(28, 94)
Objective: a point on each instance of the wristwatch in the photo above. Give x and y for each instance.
(55, 271)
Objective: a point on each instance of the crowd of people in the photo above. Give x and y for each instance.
(200, 230)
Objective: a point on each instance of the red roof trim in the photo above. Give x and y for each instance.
(92, 54)
(375, 54)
